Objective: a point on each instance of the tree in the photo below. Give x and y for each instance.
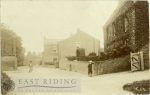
(92, 54)
(11, 44)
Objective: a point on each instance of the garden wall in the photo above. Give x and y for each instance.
(101, 67)
(112, 65)
(8, 63)
(76, 66)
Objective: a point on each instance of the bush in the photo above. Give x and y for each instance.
(92, 54)
(71, 58)
(88, 58)
(6, 84)
(84, 58)
(138, 87)
(117, 52)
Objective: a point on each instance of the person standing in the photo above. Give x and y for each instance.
(90, 72)
(70, 67)
(30, 67)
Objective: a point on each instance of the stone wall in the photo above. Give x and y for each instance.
(76, 66)
(104, 67)
(112, 65)
(101, 67)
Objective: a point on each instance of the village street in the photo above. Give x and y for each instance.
(107, 84)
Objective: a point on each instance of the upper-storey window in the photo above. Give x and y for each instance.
(109, 33)
(54, 51)
(114, 30)
(126, 23)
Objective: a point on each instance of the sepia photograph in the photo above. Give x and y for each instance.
(74, 47)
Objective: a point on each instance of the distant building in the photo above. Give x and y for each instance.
(50, 53)
(35, 58)
(128, 25)
(82, 41)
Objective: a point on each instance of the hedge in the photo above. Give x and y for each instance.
(6, 84)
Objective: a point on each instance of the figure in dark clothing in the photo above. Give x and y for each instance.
(30, 67)
(70, 67)
(77, 53)
(90, 72)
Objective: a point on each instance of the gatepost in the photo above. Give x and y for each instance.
(137, 62)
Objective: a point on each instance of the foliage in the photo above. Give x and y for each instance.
(114, 53)
(71, 58)
(84, 58)
(118, 52)
(6, 84)
(103, 56)
(92, 54)
(11, 44)
(138, 87)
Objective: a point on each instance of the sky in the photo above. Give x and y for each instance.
(33, 20)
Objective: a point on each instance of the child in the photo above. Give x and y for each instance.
(90, 72)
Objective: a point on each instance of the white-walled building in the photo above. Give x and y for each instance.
(82, 40)
(50, 53)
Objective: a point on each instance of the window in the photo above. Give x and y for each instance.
(126, 24)
(114, 30)
(54, 51)
(126, 41)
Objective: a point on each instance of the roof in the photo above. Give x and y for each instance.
(84, 33)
